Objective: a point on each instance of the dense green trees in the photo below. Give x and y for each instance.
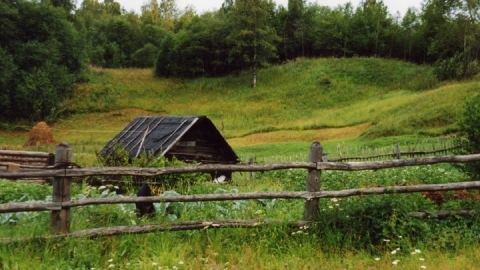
(43, 43)
(244, 34)
(40, 57)
(251, 39)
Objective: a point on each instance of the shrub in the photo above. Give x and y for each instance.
(41, 55)
(457, 67)
(469, 135)
(144, 57)
(119, 157)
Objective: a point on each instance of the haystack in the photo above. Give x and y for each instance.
(40, 134)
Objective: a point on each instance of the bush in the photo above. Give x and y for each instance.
(469, 135)
(457, 67)
(119, 157)
(40, 57)
(144, 57)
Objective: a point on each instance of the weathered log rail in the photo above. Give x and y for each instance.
(26, 159)
(305, 195)
(171, 226)
(63, 171)
(71, 171)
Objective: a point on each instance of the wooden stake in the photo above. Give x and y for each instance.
(313, 181)
(62, 186)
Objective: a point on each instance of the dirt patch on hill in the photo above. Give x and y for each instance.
(300, 135)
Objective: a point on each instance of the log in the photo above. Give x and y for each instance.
(62, 189)
(25, 153)
(29, 207)
(313, 181)
(41, 206)
(174, 226)
(441, 214)
(348, 166)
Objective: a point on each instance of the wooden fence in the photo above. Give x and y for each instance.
(63, 172)
(347, 153)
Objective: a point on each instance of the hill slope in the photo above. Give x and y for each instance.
(371, 97)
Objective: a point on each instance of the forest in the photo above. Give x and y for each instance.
(47, 46)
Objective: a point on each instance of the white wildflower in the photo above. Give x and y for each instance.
(377, 259)
(111, 265)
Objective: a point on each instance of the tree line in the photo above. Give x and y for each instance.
(45, 45)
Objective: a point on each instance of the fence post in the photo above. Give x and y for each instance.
(398, 155)
(62, 186)
(251, 161)
(313, 181)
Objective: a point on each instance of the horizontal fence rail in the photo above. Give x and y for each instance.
(63, 171)
(173, 226)
(131, 171)
(46, 206)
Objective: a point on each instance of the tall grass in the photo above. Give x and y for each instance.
(361, 103)
(306, 94)
(350, 233)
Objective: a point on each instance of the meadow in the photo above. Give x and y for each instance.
(359, 102)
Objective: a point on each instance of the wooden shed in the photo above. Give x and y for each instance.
(188, 138)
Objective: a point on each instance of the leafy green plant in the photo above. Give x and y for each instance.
(119, 157)
(469, 136)
(14, 191)
(459, 66)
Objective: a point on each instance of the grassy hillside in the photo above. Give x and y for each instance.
(363, 102)
(298, 102)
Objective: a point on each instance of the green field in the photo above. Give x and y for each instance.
(358, 104)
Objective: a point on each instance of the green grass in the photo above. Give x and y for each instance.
(361, 105)
(291, 96)
(350, 232)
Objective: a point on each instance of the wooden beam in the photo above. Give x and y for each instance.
(313, 181)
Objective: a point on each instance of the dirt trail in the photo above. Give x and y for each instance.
(300, 135)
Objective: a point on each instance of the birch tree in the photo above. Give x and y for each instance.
(252, 40)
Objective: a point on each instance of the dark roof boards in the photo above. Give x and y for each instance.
(188, 138)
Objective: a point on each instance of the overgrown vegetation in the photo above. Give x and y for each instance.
(119, 157)
(359, 229)
(469, 135)
(361, 101)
